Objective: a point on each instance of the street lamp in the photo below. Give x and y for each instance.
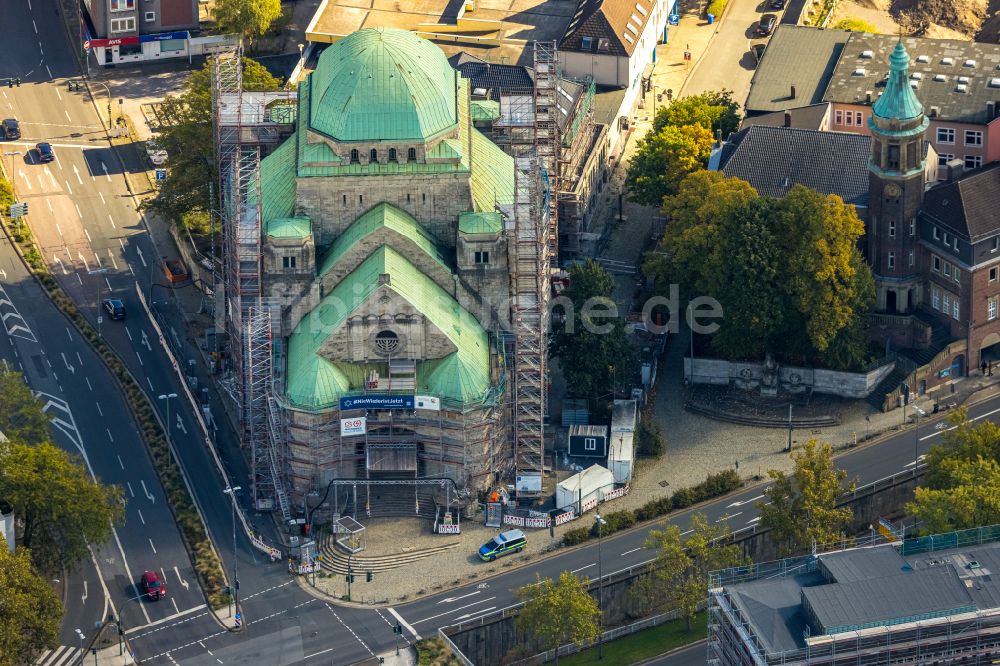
(167, 397)
(235, 596)
(110, 119)
(13, 175)
(600, 585)
(100, 317)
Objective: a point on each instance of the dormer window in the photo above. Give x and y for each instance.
(355, 157)
(587, 43)
(411, 155)
(392, 154)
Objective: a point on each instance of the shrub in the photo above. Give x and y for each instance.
(650, 438)
(575, 536)
(615, 522)
(716, 485)
(654, 508)
(855, 24)
(683, 498)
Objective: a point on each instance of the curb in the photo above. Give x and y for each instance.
(650, 660)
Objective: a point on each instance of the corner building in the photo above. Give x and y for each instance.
(384, 252)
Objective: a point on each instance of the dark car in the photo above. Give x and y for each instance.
(766, 25)
(776, 4)
(11, 129)
(45, 153)
(757, 50)
(154, 588)
(114, 307)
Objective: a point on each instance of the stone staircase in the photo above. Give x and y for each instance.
(335, 559)
(391, 501)
(909, 360)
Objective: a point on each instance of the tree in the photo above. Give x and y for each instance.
(248, 18)
(855, 24)
(61, 507)
(30, 610)
(591, 344)
(559, 612)
(186, 135)
(801, 507)
(679, 576)
(962, 485)
(714, 110)
(649, 438)
(662, 160)
(21, 418)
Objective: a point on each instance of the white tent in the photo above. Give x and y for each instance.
(579, 489)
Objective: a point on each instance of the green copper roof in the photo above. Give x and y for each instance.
(492, 174)
(485, 109)
(381, 216)
(277, 182)
(382, 84)
(898, 99)
(316, 383)
(288, 227)
(480, 223)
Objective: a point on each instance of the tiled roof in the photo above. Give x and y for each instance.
(316, 383)
(775, 159)
(492, 175)
(382, 84)
(480, 223)
(956, 78)
(803, 117)
(619, 22)
(277, 181)
(967, 206)
(795, 56)
(490, 79)
(288, 227)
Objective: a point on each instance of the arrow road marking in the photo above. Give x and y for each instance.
(752, 499)
(145, 341)
(78, 179)
(451, 599)
(83, 599)
(474, 603)
(104, 168)
(66, 363)
(180, 425)
(149, 495)
(142, 258)
(753, 520)
(728, 516)
(183, 582)
(476, 614)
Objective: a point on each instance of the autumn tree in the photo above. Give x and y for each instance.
(855, 25)
(248, 18)
(30, 612)
(60, 506)
(186, 135)
(662, 160)
(714, 110)
(590, 341)
(961, 488)
(801, 507)
(557, 613)
(21, 415)
(679, 575)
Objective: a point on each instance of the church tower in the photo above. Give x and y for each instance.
(895, 188)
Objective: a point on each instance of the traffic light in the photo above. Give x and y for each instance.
(10, 83)
(350, 578)
(369, 576)
(24, 208)
(18, 82)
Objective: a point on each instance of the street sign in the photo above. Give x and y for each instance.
(687, 55)
(161, 174)
(18, 210)
(674, 19)
(86, 44)
(100, 319)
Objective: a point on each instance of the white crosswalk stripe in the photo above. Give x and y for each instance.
(64, 655)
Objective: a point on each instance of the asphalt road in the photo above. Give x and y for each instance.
(85, 219)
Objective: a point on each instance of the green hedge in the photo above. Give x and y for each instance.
(204, 558)
(715, 485)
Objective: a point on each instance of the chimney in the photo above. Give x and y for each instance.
(991, 110)
(718, 137)
(793, 92)
(868, 96)
(788, 119)
(955, 168)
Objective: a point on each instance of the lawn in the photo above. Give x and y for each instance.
(643, 644)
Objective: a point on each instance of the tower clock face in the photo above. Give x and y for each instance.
(892, 190)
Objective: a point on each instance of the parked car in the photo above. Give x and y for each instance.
(776, 4)
(157, 155)
(766, 25)
(511, 541)
(45, 153)
(114, 307)
(757, 50)
(11, 129)
(154, 588)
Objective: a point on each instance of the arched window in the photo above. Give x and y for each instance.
(392, 154)
(411, 155)
(354, 156)
(373, 156)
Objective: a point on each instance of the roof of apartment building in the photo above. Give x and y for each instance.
(803, 117)
(967, 205)
(612, 26)
(795, 56)
(869, 587)
(953, 79)
(775, 159)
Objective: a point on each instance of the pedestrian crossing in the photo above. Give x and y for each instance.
(64, 655)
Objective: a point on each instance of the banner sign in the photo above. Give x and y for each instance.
(564, 518)
(163, 36)
(377, 402)
(114, 41)
(428, 402)
(493, 514)
(886, 529)
(351, 427)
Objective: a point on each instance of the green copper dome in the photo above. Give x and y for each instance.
(381, 84)
(898, 99)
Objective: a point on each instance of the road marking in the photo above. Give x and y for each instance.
(57, 88)
(49, 204)
(474, 603)
(79, 358)
(109, 436)
(481, 613)
(68, 187)
(66, 363)
(752, 499)
(177, 610)
(101, 194)
(149, 495)
(104, 167)
(35, 26)
(451, 599)
(148, 381)
(99, 410)
(753, 520)
(80, 181)
(728, 516)
(180, 425)
(43, 53)
(912, 462)
(120, 241)
(141, 258)
(316, 654)
(91, 241)
(59, 229)
(88, 383)
(350, 630)
(164, 620)
(67, 116)
(584, 567)
(106, 281)
(180, 578)
(113, 262)
(129, 334)
(139, 511)
(688, 532)
(629, 552)
(152, 546)
(130, 491)
(130, 268)
(120, 463)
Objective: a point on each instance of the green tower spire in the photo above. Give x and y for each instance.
(898, 99)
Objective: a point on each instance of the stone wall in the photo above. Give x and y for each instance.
(750, 376)
(487, 640)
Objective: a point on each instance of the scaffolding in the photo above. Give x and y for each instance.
(547, 140)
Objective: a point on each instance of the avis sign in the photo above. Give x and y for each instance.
(351, 427)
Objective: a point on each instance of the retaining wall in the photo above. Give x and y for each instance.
(750, 376)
